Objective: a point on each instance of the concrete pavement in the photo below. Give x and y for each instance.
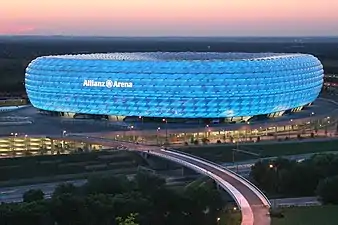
(43, 123)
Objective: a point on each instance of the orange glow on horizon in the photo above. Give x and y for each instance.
(153, 17)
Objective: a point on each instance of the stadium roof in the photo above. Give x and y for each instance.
(177, 56)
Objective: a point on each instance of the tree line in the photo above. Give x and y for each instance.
(117, 200)
(317, 175)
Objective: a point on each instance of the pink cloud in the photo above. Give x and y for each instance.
(16, 29)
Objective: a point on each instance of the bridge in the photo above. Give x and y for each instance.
(254, 205)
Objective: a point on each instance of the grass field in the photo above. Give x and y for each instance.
(316, 215)
(224, 153)
(231, 218)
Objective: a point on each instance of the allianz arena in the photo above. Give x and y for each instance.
(186, 85)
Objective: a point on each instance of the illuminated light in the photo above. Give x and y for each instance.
(158, 84)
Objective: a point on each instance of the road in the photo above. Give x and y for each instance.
(244, 168)
(14, 194)
(256, 212)
(288, 202)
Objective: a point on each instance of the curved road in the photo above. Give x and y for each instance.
(259, 209)
(254, 205)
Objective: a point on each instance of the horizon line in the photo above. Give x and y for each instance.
(169, 36)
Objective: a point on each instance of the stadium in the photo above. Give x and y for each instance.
(180, 86)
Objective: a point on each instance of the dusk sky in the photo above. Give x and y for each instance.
(170, 17)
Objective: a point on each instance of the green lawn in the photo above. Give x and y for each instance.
(223, 153)
(316, 215)
(233, 218)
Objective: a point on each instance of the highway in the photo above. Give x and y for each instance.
(14, 194)
(254, 207)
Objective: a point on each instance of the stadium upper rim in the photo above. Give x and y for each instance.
(180, 56)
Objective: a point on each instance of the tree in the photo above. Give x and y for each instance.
(107, 185)
(65, 188)
(327, 190)
(119, 202)
(134, 202)
(26, 213)
(147, 183)
(130, 220)
(205, 202)
(33, 195)
(101, 209)
(68, 209)
(292, 178)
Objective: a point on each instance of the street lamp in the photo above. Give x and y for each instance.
(26, 142)
(13, 142)
(276, 175)
(166, 130)
(158, 130)
(63, 141)
(130, 129)
(207, 130)
(290, 127)
(218, 219)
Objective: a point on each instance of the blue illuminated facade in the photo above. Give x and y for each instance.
(174, 85)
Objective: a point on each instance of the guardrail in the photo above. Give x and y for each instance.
(228, 186)
(243, 180)
(242, 203)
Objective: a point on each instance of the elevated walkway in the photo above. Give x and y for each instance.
(254, 205)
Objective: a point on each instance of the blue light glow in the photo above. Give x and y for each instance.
(178, 85)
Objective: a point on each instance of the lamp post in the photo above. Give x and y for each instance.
(26, 148)
(311, 121)
(131, 128)
(290, 127)
(275, 168)
(224, 137)
(141, 118)
(166, 130)
(13, 142)
(63, 141)
(157, 131)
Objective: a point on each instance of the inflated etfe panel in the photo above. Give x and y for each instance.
(178, 85)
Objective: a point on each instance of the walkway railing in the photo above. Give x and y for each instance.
(243, 180)
(243, 204)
